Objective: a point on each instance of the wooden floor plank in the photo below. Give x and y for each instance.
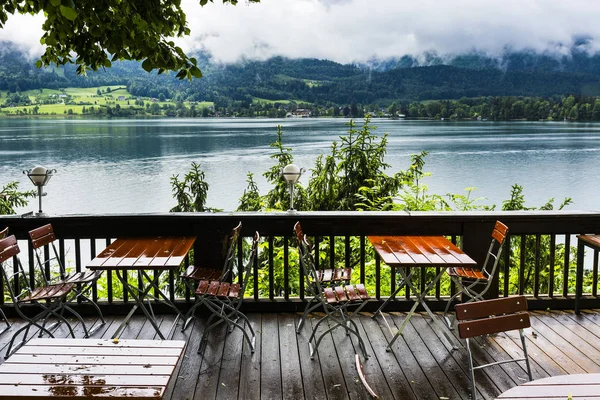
(312, 378)
(270, 371)
(453, 362)
(212, 358)
(579, 351)
(251, 364)
(291, 372)
(563, 343)
(327, 360)
(229, 377)
(391, 369)
(374, 375)
(411, 368)
(346, 347)
(430, 367)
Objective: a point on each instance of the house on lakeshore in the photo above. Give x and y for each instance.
(299, 113)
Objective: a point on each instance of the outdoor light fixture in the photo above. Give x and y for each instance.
(40, 176)
(291, 173)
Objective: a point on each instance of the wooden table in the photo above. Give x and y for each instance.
(87, 368)
(578, 386)
(404, 252)
(156, 254)
(592, 241)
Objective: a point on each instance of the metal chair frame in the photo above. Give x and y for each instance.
(336, 301)
(50, 298)
(3, 234)
(224, 299)
(467, 285)
(194, 274)
(490, 317)
(337, 276)
(44, 237)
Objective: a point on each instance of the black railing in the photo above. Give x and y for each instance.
(538, 259)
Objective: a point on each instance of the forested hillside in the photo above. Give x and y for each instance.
(326, 83)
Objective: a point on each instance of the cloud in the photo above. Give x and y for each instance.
(25, 32)
(361, 30)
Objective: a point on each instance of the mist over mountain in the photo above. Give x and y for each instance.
(430, 76)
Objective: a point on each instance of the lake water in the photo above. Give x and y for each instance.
(123, 166)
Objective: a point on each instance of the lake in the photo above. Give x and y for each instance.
(124, 166)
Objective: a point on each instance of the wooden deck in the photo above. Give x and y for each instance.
(422, 366)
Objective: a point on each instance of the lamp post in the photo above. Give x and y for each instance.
(291, 173)
(40, 176)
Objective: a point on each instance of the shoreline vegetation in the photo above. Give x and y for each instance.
(117, 101)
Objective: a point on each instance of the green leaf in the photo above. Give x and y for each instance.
(68, 13)
(38, 64)
(55, 3)
(147, 65)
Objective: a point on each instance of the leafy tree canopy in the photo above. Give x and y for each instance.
(93, 33)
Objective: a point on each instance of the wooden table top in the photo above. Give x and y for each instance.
(577, 386)
(420, 251)
(590, 240)
(143, 253)
(85, 368)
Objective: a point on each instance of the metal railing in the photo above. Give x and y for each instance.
(539, 260)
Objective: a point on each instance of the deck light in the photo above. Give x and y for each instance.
(40, 176)
(291, 173)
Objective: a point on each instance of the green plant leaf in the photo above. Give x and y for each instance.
(68, 13)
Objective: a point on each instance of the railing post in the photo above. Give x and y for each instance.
(476, 241)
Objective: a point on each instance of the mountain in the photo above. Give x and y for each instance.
(325, 82)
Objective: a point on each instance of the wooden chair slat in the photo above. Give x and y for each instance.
(42, 241)
(213, 288)
(347, 274)
(499, 226)
(223, 289)
(337, 274)
(484, 309)
(41, 231)
(362, 291)
(202, 287)
(8, 248)
(326, 275)
(351, 293)
(234, 290)
(499, 236)
(329, 295)
(486, 326)
(340, 293)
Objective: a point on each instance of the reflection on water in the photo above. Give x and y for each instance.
(107, 166)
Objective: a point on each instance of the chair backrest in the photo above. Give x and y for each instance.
(4, 233)
(492, 316)
(307, 264)
(231, 254)
(495, 250)
(44, 236)
(9, 248)
(250, 264)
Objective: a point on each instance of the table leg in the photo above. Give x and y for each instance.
(579, 278)
(420, 299)
(139, 302)
(401, 284)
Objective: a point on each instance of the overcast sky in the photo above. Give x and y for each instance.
(360, 30)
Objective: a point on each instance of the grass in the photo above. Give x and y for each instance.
(86, 97)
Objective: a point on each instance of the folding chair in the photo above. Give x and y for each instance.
(335, 300)
(489, 317)
(83, 281)
(50, 298)
(224, 298)
(327, 277)
(468, 279)
(3, 234)
(199, 272)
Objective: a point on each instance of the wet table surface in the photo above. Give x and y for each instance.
(88, 368)
(577, 386)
